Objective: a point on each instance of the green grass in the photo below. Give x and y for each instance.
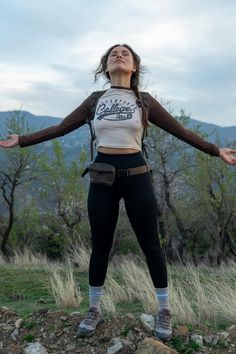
(28, 337)
(135, 307)
(21, 288)
(184, 348)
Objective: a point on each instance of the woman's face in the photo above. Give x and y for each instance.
(120, 60)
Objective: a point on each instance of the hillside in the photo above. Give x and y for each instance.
(81, 136)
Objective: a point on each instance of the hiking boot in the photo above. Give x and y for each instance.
(88, 326)
(163, 327)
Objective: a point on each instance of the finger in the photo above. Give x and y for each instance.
(233, 151)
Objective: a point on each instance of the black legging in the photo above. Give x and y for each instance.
(141, 207)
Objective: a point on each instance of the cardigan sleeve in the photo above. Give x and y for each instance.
(74, 120)
(163, 119)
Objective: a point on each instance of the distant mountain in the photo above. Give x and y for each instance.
(213, 130)
(40, 122)
(81, 136)
(72, 142)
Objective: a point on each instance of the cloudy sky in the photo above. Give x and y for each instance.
(49, 49)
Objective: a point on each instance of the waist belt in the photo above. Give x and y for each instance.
(125, 172)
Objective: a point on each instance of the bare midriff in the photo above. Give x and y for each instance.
(110, 150)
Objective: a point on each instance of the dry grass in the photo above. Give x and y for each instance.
(28, 258)
(80, 255)
(196, 294)
(62, 286)
(138, 284)
(203, 293)
(113, 294)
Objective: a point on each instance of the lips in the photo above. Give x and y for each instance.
(118, 60)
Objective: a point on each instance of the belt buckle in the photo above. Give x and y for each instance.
(122, 172)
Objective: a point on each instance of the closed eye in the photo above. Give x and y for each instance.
(125, 52)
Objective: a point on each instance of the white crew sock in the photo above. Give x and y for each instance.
(95, 293)
(162, 298)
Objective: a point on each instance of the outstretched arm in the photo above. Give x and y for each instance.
(73, 121)
(163, 119)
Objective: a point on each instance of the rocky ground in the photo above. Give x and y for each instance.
(47, 332)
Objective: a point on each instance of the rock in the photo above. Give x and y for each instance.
(131, 335)
(223, 334)
(137, 329)
(19, 323)
(153, 346)
(231, 328)
(15, 334)
(1, 345)
(106, 336)
(9, 313)
(126, 342)
(130, 315)
(13, 349)
(52, 335)
(63, 318)
(215, 340)
(4, 309)
(75, 313)
(9, 320)
(148, 322)
(116, 348)
(55, 314)
(35, 348)
(197, 339)
(60, 333)
(208, 339)
(8, 328)
(70, 347)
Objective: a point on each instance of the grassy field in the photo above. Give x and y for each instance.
(200, 297)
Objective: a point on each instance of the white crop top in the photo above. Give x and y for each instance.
(118, 120)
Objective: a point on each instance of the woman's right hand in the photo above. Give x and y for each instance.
(13, 140)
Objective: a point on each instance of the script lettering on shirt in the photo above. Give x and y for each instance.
(119, 112)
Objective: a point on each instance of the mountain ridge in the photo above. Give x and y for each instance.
(37, 122)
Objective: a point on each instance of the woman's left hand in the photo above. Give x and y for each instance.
(227, 155)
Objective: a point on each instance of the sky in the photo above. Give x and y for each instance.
(49, 50)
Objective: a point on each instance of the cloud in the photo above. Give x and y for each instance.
(50, 49)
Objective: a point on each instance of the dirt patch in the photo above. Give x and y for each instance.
(56, 331)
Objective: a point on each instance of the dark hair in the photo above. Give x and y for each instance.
(135, 78)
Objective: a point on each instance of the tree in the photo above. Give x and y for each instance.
(62, 195)
(170, 158)
(214, 200)
(17, 170)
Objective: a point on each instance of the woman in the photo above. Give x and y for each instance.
(119, 122)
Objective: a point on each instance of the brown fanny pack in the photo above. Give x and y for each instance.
(105, 174)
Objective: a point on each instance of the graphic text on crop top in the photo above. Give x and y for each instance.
(118, 120)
